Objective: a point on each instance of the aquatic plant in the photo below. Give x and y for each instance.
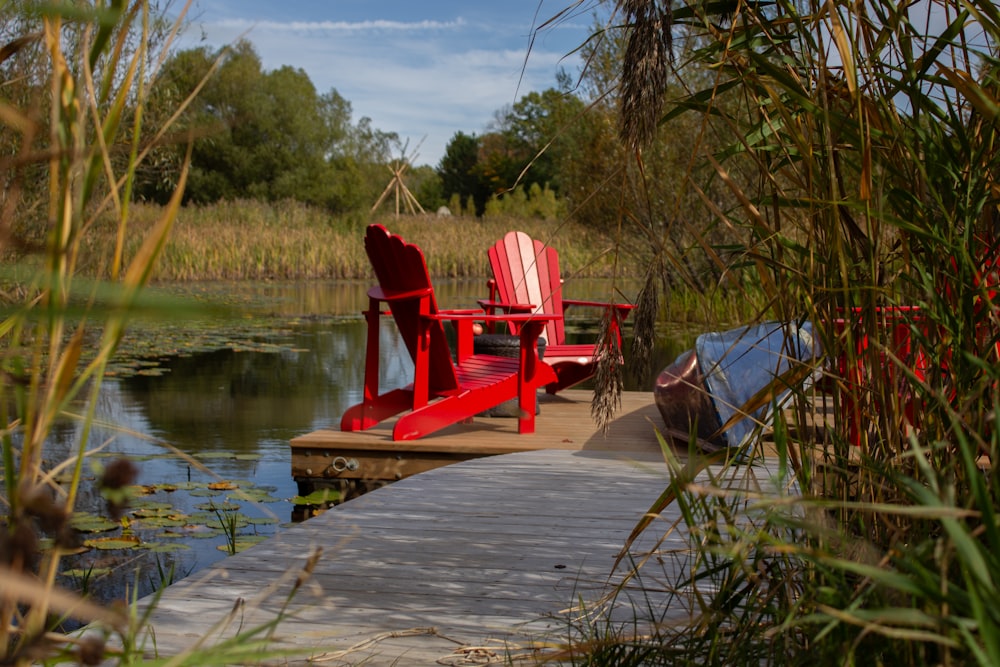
(87, 72)
(83, 127)
(859, 145)
(293, 241)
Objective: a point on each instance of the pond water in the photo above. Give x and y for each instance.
(209, 428)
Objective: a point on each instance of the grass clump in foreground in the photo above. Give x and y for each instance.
(862, 152)
(81, 130)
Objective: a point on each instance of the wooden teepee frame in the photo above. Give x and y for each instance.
(398, 186)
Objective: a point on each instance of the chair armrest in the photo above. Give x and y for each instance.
(624, 307)
(477, 316)
(492, 306)
(457, 313)
(380, 294)
(463, 321)
(621, 308)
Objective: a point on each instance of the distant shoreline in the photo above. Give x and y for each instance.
(252, 240)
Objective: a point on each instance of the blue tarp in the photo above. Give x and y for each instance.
(738, 363)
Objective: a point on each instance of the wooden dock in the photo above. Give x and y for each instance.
(329, 455)
(485, 560)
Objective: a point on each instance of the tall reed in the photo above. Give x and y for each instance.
(287, 240)
(82, 126)
(861, 144)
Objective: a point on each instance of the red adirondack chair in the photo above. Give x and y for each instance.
(526, 280)
(443, 391)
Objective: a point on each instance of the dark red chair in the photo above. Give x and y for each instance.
(444, 390)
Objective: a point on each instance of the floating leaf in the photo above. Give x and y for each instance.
(230, 521)
(262, 521)
(147, 512)
(243, 542)
(188, 486)
(108, 543)
(162, 522)
(205, 534)
(151, 505)
(91, 523)
(218, 507)
(213, 455)
(204, 493)
(318, 497)
(253, 496)
(167, 548)
(222, 486)
(88, 573)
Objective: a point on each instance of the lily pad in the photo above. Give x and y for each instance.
(89, 573)
(188, 486)
(151, 505)
(253, 496)
(204, 493)
(149, 512)
(243, 542)
(213, 455)
(91, 523)
(218, 507)
(206, 533)
(162, 522)
(109, 543)
(318, 497)
(167, 547)
(262, 521)
(230, 521)
(222, 486)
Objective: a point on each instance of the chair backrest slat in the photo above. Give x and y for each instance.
(527, 271)
(400, 267)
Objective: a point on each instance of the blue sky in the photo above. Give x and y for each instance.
(424, 69)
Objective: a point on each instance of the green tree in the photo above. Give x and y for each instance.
(459, 173)
(268, 135)
(542, 132)
(425, 184)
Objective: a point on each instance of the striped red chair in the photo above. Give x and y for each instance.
(526, 280)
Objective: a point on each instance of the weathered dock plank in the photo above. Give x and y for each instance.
(492, 552)
(488, 556)
(329, 455)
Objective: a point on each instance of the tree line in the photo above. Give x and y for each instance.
(270, 135)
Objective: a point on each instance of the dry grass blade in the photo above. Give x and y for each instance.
(20, 588)
(608, 380)
(647, 309)
(645, 68)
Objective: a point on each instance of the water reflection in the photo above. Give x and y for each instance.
(242, 408)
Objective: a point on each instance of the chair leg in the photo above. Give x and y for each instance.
(368, 413)
(453, 409)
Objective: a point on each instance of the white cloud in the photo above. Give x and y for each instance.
(341, 26)
(416, 78)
